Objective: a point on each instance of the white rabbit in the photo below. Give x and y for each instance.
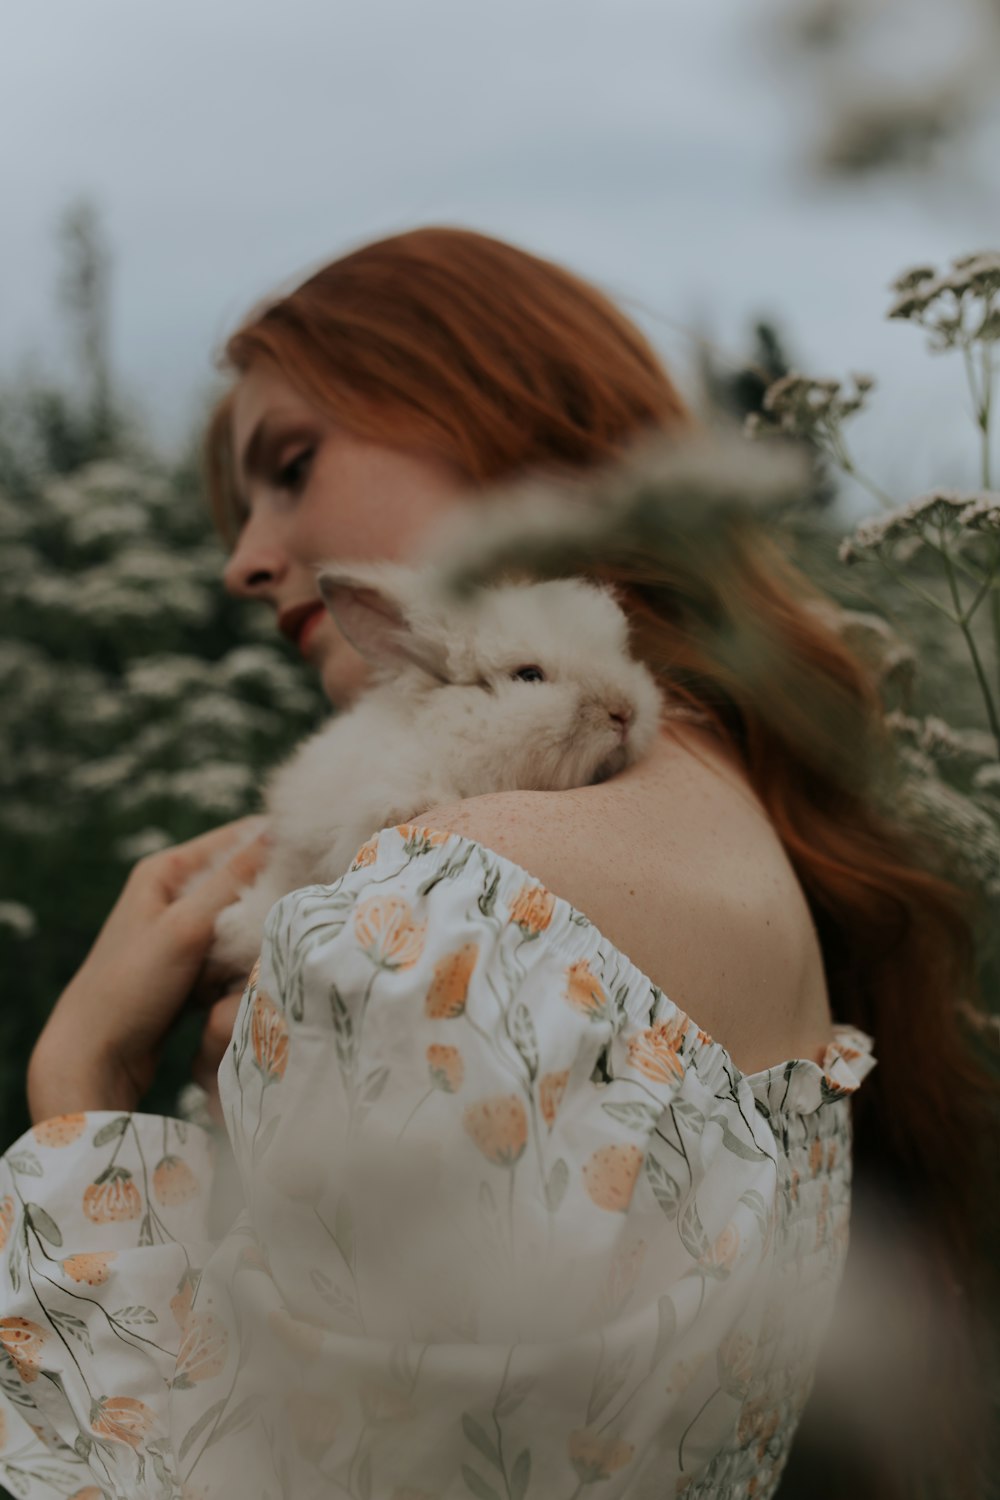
(527, 686)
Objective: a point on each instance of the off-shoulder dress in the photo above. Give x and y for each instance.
(491, 1218)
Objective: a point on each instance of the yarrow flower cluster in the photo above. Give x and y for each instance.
(956, 307)
(978, 511)
(807, 407)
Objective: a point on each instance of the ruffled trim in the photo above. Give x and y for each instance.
(798, 1086)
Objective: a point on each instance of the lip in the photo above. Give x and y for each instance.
(309, 625)
(292, 620)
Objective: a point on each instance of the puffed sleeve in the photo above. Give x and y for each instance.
(104, 1226)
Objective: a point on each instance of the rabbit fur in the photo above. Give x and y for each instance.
(445, 718)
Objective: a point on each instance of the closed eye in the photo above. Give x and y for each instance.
(292, 475)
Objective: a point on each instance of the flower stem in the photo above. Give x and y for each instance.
(963, 624)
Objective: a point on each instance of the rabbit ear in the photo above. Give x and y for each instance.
(373, 617)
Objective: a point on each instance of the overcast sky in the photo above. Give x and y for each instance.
(657, 146)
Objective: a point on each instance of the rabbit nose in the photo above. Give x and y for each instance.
(623, 719)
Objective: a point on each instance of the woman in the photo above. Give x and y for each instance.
(694, 934)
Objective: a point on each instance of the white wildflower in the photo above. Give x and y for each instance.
(164, 678)
(19, 919)
(137, 845)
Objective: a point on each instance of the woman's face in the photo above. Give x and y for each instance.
(315, 494)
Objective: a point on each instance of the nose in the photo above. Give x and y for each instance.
(255, 565)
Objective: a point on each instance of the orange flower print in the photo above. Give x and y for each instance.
(656, 1051)
(816, 1157)
(449, 989)
(203, 1350)
(269, 1033)
(386, 929)
(253, 978)
(303, 1340)
(112, 1198)
(419, 840)
(723, 1254)
(91, 1267)
(24, 1341)
(532, 909)
(551, 1087)
(89, 1492)
(584, 991)
(180, 1302)
(446, 1068)
(8, 1213)
(597, 1456)
(610, 1175)
(367, 854)
(173, 1181)
(314, 1420)
(499, 1127)
(61, 1130)
(831, 1155)
(121, 1418)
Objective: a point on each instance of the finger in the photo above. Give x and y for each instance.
(171, 870)
(192, 916)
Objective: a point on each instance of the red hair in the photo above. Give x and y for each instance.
(504, 363)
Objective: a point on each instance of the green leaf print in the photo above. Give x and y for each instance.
(241, 1416)
(692, 1231)
(555, 1188)
(634, 1114)
(343, 1230)
(373, 1086)
(488, 896)
(690, 1112)
(735, 1145)
(666, 1191)
(74, 1326)
(525, 1038)
(135, 1314)
(46, 1227)
(481, 1439)
(512, 1397)
(667, 1328)
(112, 1129)
(478, 1486)
(343, 1031)
(195, 1432)
(26, 1163)
(520, 1475)
(755, 1203)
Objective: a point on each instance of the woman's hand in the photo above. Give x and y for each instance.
(101, 1045)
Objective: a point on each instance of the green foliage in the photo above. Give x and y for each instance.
(139, 704)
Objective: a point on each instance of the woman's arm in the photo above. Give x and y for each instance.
(102, 1043)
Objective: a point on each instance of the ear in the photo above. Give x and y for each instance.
(373, 615)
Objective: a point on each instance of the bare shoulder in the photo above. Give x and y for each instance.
(677, 864)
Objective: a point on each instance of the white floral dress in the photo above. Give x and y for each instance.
(491, 1218)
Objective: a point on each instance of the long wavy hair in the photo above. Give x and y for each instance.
(505, 363)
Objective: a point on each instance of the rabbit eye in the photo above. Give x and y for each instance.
(529, 674)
